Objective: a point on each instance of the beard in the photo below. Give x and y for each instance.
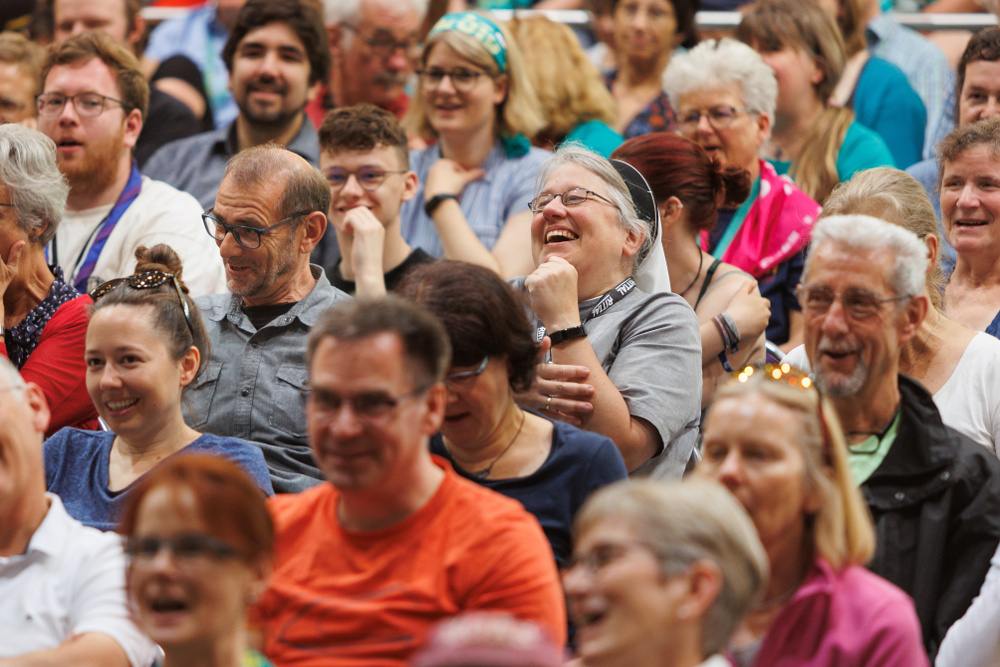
(840, 385)
(97, 168)
(267, 117)
(261, 280)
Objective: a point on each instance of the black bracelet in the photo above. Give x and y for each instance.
(569, 333)
(436, 201)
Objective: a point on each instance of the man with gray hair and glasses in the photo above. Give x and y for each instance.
(933, 493)
(62, 584)
(269, 215)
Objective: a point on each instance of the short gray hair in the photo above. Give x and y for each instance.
(37, 188)
(864, 233)
(349, 11)
(717, 63)
(618, 191)
(11, 379)
(306, 189)
(684, 522)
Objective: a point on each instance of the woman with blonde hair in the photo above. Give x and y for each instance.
(662, 573)
(577, 107)
(775, 442)
(958, 366)
(877, 91)
(475, 99)
(818, 145)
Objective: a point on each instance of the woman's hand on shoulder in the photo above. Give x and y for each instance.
(749, 310)
(552, 288)
(447, 177)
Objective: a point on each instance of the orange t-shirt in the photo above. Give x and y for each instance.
(369, 598)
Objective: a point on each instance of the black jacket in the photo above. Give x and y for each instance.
(935, 500)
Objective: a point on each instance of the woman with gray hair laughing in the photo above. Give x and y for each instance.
(44, 319)
(626, 362)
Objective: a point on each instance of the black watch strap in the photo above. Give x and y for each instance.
(567, 334)
(436, 201)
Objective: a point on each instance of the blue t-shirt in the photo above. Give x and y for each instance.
(579, 463)
(76, 469)
(885, 102)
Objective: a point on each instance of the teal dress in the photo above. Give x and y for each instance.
(862, 149)
(595, 135)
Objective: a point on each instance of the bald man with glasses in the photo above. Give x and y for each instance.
(269, 214)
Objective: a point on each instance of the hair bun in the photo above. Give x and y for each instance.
(160, 257)
(733, 181)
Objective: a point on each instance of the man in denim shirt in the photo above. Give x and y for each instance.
(269, 214)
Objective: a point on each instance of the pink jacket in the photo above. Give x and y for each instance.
(846, 619)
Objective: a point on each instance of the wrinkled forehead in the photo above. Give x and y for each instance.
(841, 266)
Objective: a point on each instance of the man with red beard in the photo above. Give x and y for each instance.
(278, 57)
(268, 217)
(93, 102)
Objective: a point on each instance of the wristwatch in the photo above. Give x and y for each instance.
(436, 201)
(567, 334)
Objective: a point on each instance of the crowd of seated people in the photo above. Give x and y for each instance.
(371, 332)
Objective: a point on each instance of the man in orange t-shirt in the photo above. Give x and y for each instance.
(366, 564)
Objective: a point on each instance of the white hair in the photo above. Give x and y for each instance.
(618, 192)
(11, 379)
(37, 188)
(349, 11)
(718, 63)
(863, 233)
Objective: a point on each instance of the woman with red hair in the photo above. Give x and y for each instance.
(200, 541)
(688, 187)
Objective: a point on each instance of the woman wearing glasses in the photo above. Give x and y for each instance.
(475, 99)
(725, 96)
(958, 366)
(776, 444)
(661, 575)
(200, 543)
(551, 467)
(145, 343)
(44, 319)
(625, 363)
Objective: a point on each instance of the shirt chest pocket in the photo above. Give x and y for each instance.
(288, 400)
(201, 394)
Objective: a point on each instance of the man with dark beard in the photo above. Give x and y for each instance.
(93, 102)
(933, 493)
(278, 57)
(269, 214)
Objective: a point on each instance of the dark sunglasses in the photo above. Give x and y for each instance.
(146, 280)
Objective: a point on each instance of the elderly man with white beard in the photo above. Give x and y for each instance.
(933, 493)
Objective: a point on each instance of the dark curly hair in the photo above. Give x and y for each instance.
(363, 127)
(482, 314)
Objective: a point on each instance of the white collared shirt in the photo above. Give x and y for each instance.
(69, 581)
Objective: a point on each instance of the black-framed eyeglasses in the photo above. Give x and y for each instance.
(465, 379)
(184, 547)
(858, 303)
(383, 44)
(7, 205)
(371, 407)
(248, 237)
(572, 197)
(87, 105)
(369, 178)
(462, 78)
(147, 280)
(719, 117)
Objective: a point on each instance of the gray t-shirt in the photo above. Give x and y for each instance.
(650, 347)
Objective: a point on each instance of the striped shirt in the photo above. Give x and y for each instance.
(487, 203)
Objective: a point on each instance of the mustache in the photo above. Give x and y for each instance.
(390, 78)
(832, 347)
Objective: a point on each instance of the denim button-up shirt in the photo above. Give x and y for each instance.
(254, 386)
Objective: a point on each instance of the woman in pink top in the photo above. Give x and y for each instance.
(777, 445)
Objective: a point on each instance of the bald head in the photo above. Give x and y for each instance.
(305, 188)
